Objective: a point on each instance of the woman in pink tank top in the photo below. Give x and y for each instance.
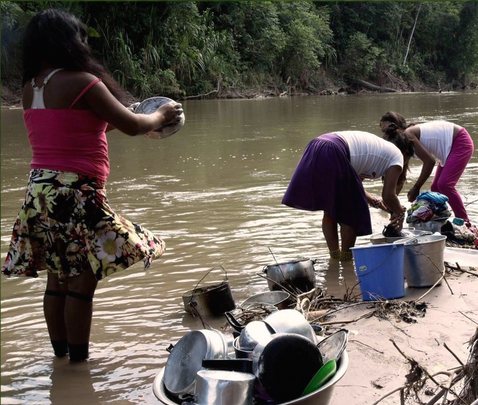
(66, 225)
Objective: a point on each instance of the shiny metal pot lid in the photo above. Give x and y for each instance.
(184, 362)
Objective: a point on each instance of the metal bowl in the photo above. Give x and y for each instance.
(253, 333)
(149, 106)
(290, 321)
(275, 298)
(241, 353)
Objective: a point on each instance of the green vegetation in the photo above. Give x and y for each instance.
(185, 49)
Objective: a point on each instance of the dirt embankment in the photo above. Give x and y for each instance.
(11, 91)
(11, 94)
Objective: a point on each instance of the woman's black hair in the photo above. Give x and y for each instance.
(395, 119)
(60, 39)
(406, 146)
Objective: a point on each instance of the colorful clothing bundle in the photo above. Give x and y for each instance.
(429, 205)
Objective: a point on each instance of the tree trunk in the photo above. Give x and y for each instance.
(411, 35)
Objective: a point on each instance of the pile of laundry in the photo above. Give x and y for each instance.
(429, 206)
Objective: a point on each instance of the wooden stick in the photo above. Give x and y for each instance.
(373, 348)
(350, 321)
(312, 315)
(454, 355)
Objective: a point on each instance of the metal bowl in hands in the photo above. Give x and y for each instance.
(149, 106)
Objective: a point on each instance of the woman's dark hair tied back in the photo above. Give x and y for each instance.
(391, 131)
(395, 118)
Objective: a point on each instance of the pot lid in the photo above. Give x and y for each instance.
(184, 362)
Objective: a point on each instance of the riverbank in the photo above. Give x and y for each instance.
(382, 348)
(11, 91)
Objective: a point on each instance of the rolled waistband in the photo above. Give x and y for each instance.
(59, 178)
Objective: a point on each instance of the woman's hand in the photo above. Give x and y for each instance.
(413, 193)
(171, 113)
(396, 220)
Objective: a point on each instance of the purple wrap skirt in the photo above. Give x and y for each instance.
(324, 180)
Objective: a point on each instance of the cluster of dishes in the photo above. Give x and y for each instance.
(279, 359)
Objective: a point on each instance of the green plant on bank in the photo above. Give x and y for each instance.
(187, 48)
(13, 21)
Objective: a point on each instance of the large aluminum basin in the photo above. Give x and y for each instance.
(320, 397)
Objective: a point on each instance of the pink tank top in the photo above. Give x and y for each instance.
(68, 140)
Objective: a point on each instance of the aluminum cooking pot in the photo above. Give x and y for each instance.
(186, 357)
(209, 300)
(296, 275)
(224, 388)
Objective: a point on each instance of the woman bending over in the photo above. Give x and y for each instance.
(329, 178)
(450, 144)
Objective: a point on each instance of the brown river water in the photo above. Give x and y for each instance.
(213, 192)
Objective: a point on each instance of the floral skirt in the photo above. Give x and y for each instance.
(67, 227)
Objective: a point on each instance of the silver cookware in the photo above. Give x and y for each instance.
(186, 357)
(253, 333)
(224, 388)
(332, 347)
(290, 321)
(296, 276)
(275, 298)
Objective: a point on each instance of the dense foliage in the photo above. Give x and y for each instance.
(185, 48)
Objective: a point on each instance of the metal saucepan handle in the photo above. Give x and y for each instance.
(233, 321)
(187, 399)
(413, 240)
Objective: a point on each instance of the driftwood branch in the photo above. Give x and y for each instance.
(449, 266)
(201, 95)
(368, 314)
(371, 86)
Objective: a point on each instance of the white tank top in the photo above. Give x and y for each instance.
(38, 102)
(371, 155)
(437, 138)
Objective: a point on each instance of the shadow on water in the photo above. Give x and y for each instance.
(67, 378)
